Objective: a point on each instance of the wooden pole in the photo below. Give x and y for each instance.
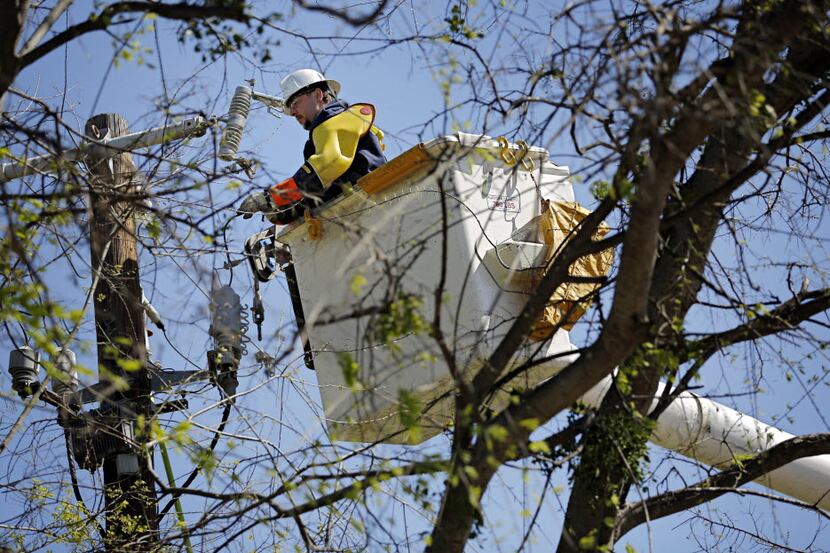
(131, 503)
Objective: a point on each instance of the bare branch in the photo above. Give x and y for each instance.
(733, 477)
(345, 15)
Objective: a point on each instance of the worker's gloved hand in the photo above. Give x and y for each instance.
(258, 201)
(275, 217)
(286, 214)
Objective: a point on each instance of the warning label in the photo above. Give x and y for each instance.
(500, 203)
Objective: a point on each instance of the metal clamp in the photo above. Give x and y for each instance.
(506, 154)
(258, 310)
(260, 250)
(315, 228)
(510, 159)
(527, 162)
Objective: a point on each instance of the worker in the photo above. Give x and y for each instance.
(343, 145)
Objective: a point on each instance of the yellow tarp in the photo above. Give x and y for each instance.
(570, 300)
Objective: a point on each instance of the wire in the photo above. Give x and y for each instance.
(161, 68)
(225, 242)
(76, 490)
(183, 356)
(214, 441)
(171, 479)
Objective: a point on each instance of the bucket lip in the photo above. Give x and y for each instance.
(285, 235)
(482, 142)
(437, 147)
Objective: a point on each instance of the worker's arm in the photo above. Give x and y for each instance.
(335, 144)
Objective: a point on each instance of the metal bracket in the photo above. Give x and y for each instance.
(258, 310)
(160, 380)
(264, 255)
(103, 146)
(108, 429)
(164, 380)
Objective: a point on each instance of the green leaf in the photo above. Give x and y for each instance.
(474, 495)
(529, 424)
(588, 542)
(350, 370)
(129, 365)
(409, 411)
(539, 447)
(357, 284)
(497, 432)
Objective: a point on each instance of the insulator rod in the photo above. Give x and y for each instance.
(105, 148)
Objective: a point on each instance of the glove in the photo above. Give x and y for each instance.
(286, 215)
(258, 201)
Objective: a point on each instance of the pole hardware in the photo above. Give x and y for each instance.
(151, 312)
(105, 146)
(264, 255)
(166, 379)
(95, 434)
(237, 117)
(265, 258)
(66, 379)
(258, 310)
(228, 324)
(24, 366)
(109, 431)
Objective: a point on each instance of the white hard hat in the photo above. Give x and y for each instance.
(302, 78)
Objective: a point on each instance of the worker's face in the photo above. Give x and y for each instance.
(306, 107)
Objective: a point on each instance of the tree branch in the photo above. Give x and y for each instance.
(785, 317)
(737, 475)
(340, 13)
(45, 25)
(180, 11)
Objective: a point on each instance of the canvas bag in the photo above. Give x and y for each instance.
(571, 299)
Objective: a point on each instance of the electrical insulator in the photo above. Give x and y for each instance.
(235, 123)
(226, 331)
(24, 365)
(226, 319)
(66, 379)
(151, 312)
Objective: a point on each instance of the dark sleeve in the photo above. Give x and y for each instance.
(309, 184)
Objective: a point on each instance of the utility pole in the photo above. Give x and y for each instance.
(131, 502)
(108, 435)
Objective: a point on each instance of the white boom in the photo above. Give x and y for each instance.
(716, 435)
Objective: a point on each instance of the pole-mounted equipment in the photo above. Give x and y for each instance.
(237, 118)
